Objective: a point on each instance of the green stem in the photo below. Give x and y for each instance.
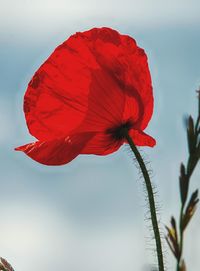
(151, 200)
(181, 239)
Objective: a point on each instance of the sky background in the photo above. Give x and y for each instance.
(89, 214)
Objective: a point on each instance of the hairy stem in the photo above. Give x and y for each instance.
(151, 200)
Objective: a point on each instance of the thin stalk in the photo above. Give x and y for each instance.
(151, 200)
(181, 238)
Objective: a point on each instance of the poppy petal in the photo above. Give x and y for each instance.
(101, 144)
(139, 84)
(141, 139)
(127, 64)
(51, 110)
(58, 151)
(87, 79)
(69, 84)
(106, 104)
(95, 81)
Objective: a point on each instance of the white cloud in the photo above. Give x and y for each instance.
(32, 235)
(36, 235)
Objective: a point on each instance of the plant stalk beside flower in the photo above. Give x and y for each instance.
(150, 198)
(4, 265)
(175, 235)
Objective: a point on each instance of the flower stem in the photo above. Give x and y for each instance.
(151, 200)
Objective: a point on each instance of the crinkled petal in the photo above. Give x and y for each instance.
(68, 88)
(92, 81)
(58, 151)
(105, 104)
(127, 65)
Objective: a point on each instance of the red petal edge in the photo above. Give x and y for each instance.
(141, 139)
(55, 152)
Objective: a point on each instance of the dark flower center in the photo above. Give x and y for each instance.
(118, 132)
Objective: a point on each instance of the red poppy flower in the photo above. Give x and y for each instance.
(91, 87)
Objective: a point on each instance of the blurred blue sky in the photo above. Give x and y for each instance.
(89, 215)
